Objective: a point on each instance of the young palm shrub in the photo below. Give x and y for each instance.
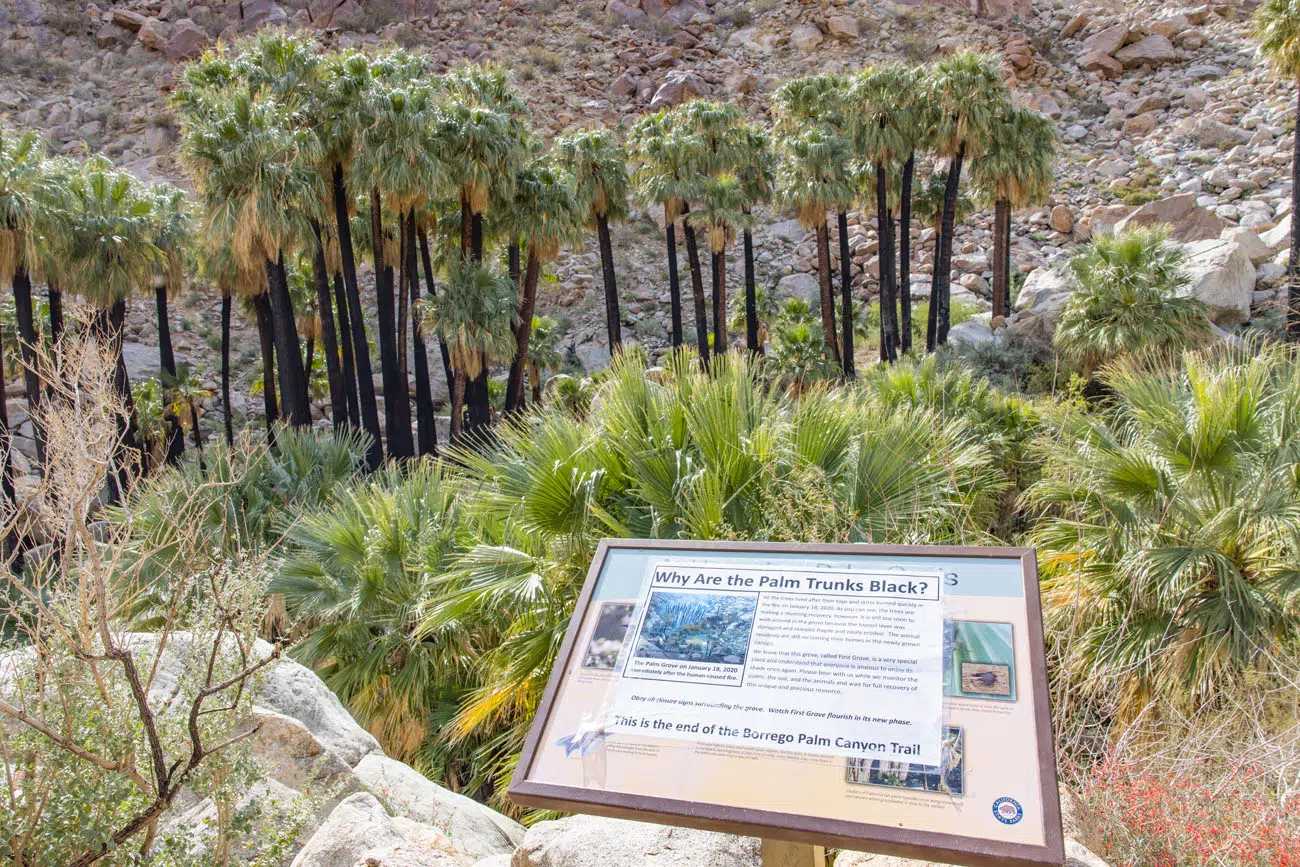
(600, 184)
(1130, 297)
(1277, 26)
(967, 92)
(475, 315)
(1169, 538)
(1015, 172)
(543, 353)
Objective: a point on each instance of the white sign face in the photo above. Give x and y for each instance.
(832, 661)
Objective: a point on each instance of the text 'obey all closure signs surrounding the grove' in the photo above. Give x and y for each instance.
(886, 699)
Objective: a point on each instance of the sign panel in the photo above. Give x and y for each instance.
(886, 699)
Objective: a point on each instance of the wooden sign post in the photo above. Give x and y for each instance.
(882, 699)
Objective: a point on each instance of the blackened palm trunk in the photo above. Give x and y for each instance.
(846, 296)
(512, 263)
(429, 286)
(288, 348)
(368, 407)
(226, 304)
(56, 314)
(197, 437)
(266, 336)
(128, 454)
(1293, 286)
(751, 296)
(22, 285)
(397, 405)
(310, 355)
(523, 333)
(167, 362)
(1001, 286)
(697, 290)
(905, 257)
(674, 284)
(6, 471)
(479, 400)
(328, 335)
(885, 267)
(346, 359)
(720, 302)
(826, 298)
(939, 296)
(427, 431)
(403, 309)
(613, 323)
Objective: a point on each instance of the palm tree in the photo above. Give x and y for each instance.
(474, 314)
(252, 161)
(875, 112)
(1168, 572)
(398, 159)
(543, 216)
(482, 142)
(820, 101)
(913, 117)
(723, 197)
(543, 353)
(812, 180)
(1277, 26)
(1015, 172)
(967, 93)
(336, 113)
(109, 256)
(170, 229)
(1130, 297)
(600, 184)
(23, 190)
(755, 165)
(218, 266)
(662, 158)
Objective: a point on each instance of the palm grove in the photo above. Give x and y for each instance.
(303, 162)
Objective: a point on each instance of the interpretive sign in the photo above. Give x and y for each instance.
(886, 699)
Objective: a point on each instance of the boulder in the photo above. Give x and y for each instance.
(591, 841)
(791, 230)
(288, 753)
(1077, 821)
(128, 19)
(1040, 302)
(1107, 41)
(801, 285)
(154, 34)
(845, 28)
(1278, 237)
(348, 16)
(197, 825)
(1151, 50)
(1252, 244)
(678, 86)
(753, 39)
(1210, 133)
(356, 826)
(1221, 274)
(806, 37)
(1186, 220)
(739, 82)
(1137, 127)
(296, 691)
(473, 828)
(626, 13)
(972, 332)
(1105, 218)
(187, 41)
(1101, 63)
(406, 855)
(1062, 219)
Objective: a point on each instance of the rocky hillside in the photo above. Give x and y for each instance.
(1165, 114)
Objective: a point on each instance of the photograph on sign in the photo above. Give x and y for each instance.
(892, 698)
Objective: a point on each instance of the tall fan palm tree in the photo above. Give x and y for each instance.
(1277, 26)
(874, 110)
(171, 235)
(755, 165)
(810, 181)
(219, 267)
(723, 198)
(1015, 171)
(22, 180)
(336, 112)
(913, 117)
(398, 158)
(110, 255)
(543, 216)
(967, 93)
(663, 159)
(600, 184)
(820, 101)
(252, 161)
(474, 313)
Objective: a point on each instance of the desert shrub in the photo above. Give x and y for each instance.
(1013, 363)
(1169, 533)
(1130, 297)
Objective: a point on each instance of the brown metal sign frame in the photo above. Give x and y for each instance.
(899, 842)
